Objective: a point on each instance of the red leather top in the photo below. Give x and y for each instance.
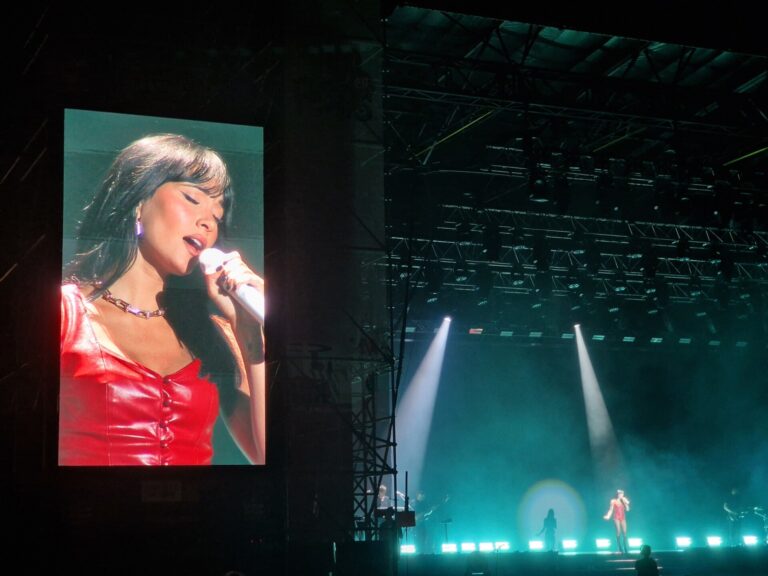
(116, 412)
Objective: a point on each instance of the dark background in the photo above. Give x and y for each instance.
(690, 421)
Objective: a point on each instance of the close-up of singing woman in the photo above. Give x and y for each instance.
(155, 349)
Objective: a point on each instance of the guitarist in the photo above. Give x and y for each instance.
(426, 522)
(734, 511)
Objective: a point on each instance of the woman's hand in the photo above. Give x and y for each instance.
(222, 282)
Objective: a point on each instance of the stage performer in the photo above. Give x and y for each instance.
(618, 508)
(146, 367)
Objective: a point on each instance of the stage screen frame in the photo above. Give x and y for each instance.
(91, 142)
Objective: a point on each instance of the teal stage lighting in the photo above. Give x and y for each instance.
(714, 541)
(603, 543)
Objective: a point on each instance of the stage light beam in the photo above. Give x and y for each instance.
(602, 438)
(414, 411)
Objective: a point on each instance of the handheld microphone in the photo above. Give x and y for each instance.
(246, 295)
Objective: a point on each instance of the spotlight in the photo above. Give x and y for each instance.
(602, 543)
(447, 319)
(501, 545)
(485, 546)
(635, 542)
(535, 545)
(461, 270)
(683, 542)
(449, 548)
(569, 544)
(518, 274)
(407, 549)
(714, 541)
(750, 540)
(468, 547)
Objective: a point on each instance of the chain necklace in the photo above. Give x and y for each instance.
(127, 307)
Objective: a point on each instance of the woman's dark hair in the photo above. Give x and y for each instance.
(107, 242)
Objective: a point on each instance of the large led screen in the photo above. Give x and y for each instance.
(162, 297)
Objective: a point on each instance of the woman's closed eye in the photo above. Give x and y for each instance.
(190, 199)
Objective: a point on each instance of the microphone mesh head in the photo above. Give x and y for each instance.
(210, 259)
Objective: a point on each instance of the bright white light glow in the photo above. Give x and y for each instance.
(468, 547)
(602, 440)
(750, 540)
(603, 543)
(501, 545)
(714, 541)
(535, 545)
(635, 542)
(683, 541)
(485, 546)
(414, 411)
(408, 549)
(570, 544)
(449, 548)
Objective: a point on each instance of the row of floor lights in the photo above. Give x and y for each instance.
(603, 545)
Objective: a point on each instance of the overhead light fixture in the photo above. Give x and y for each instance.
(492, 242)
(463, 232)
(461, 270)
(541, 253)
(434, 280)
(538, 190)
(484, 279)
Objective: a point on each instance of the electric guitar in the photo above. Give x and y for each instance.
(424, 516)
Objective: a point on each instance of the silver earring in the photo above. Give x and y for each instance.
(139, 228)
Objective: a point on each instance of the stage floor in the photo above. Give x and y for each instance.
(728, 561)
